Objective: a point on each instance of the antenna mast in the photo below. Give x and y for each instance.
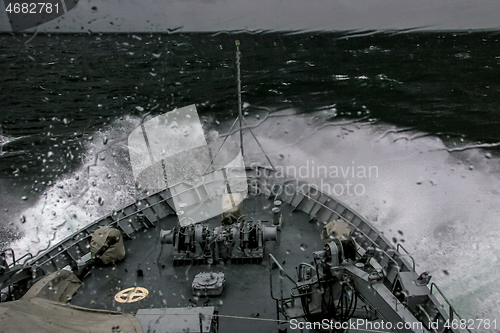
(240, 118)
(1, 140)
(240, 113)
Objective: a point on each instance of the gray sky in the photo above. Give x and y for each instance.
(218, 15)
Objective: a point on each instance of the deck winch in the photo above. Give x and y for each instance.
(240, 242)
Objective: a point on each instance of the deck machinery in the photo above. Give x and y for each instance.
(239, 243)
(341, 292)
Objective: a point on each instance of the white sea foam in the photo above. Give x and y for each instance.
(100, 185)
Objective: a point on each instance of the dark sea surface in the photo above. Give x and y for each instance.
(65, 98)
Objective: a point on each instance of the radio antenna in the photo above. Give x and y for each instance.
(240, 113)
(238, 79)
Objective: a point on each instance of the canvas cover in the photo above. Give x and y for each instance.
(59, 286)
(336, 229)
(36, 314)
(43, 310)
(115, 252)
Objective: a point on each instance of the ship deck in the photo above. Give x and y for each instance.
(245, 304)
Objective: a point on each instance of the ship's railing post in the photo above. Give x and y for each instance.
(27, 256)
(12, 255)
(283, 274)
(399, 246)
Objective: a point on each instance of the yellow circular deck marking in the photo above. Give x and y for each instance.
(131, 295)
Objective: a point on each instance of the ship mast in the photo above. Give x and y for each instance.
(1, 140)
(238, 79)
(241, 118)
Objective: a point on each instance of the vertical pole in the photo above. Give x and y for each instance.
(201, 322)
(1, 140)
(240, 114)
